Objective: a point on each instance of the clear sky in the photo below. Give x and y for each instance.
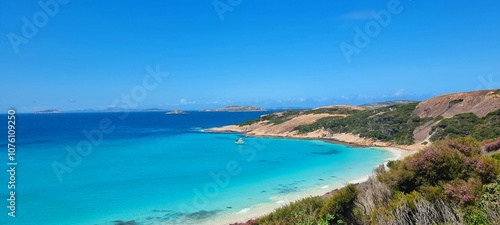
(87, 54)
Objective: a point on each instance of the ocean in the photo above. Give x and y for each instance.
(150, 168)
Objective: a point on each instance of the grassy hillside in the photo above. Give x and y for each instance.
(392, 124)
(450, 182)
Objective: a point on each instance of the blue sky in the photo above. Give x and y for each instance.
(87, 54)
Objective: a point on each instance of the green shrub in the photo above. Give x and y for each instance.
(428, 167)
(305, 211)
(467, 124)
(339, 207)
(401, 198)
(487, 209)
(475, 216)
(457, 126)
(462, 191)
(432, 193)
(496, 156)
(490, 195)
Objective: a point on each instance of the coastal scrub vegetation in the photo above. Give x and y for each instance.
(450, 182)
(278, 118)
(392, 124)
(496, 156)
(491, 146)
(395, 124)
(333, 110)
(486, 128)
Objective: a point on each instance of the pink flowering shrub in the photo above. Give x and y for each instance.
(452, 168)
(481, 167)
(428, 167)
(466, 145)
(491, 146)
(462, 191)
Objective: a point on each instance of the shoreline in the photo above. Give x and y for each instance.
(343, 139)
(263, 209)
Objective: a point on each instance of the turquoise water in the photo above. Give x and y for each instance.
(167, 177)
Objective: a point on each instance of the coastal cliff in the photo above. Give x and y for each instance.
(478, 102)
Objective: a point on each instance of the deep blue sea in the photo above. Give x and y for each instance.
(152, 168)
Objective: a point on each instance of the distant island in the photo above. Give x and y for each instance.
(116, 109)
(235, 108)
(154, 110)
(174, 112)
(48, 111)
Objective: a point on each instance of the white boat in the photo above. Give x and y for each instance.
(239, 141)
